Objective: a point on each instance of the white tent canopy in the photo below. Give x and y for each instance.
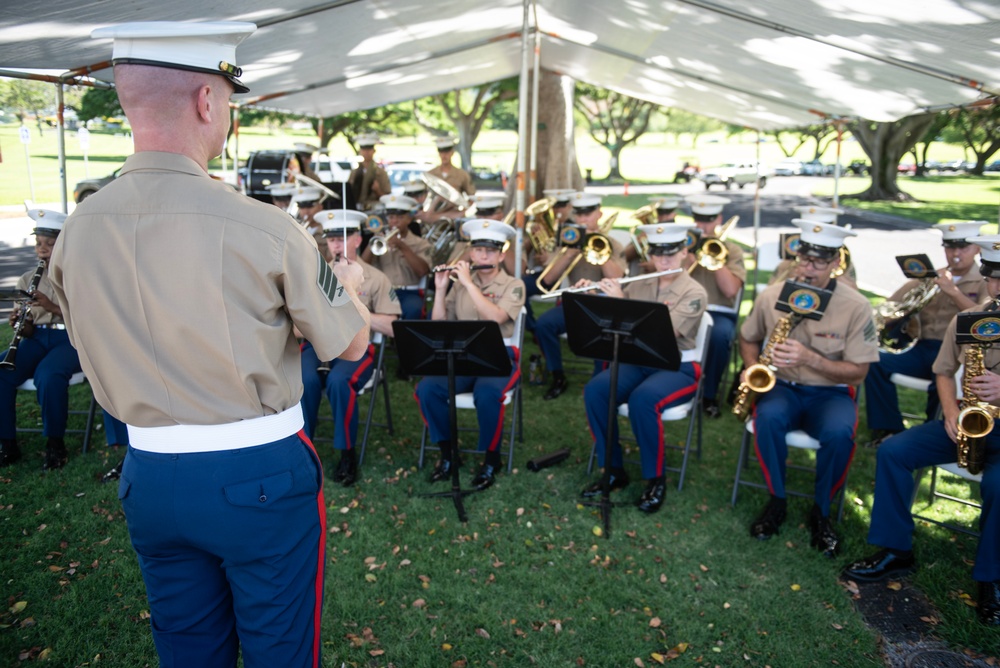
(764, 65)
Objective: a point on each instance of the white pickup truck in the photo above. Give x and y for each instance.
(738, 174)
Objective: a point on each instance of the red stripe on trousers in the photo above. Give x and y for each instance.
(321, 507)
(369, 360)
(659, 409)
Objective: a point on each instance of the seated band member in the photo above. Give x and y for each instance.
(489, 206)
(931, 444)
(552, 324)
(561, 200)
(407, 258)
(536, 259)
(961, 287)
(281, 194)
(368, 180)
(666, 212)
(488, 293)
(342, 379)
(819, 214)
(309, 202)
(457, 178)
(649, 391)
(816, 368)
(44, 353)
(723, 286)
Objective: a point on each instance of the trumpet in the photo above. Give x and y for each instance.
(621, 281)
(712, 254)
(596, 251)
(379, 245)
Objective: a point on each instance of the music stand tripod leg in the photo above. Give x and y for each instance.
(610, 443)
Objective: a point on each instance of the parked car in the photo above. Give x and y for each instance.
(738, 174)
(907, 168)
(402, 172)
(816, 168)
(788, 168)
(858, 167)
(333, 169)
(88, 187)
(992, 166)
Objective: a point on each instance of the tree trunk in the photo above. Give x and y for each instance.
(466, 137)
(884, 144)
(557, 162)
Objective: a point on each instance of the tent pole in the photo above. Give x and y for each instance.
(756, 227)
(533, 192)
(60, 108)
(522, 143)
(836, 168)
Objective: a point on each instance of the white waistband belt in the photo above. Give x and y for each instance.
(183, 438)
(718, 308)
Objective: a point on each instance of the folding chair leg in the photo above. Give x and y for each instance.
(90, 423)
(740, 464)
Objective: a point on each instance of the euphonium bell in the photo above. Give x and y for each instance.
(542, 226)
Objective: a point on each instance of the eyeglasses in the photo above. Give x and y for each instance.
(814, 261)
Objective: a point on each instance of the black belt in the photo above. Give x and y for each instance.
(51, 326)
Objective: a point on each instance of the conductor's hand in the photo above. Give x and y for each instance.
(349, 274)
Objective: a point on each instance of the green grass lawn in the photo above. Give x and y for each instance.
(525, 582)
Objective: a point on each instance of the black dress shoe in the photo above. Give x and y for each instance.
(114, 473)
(486, 477)
(882, 564)
(9, 452)
(710, 408)
(347, 469)
(619, 479)
(988, 610)
(559, 385)
(442, 471)
(767, 523)
(55, 454)
(879, 436)
(652, 496)
(824, 538)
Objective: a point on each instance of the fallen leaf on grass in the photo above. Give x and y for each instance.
(18, 607)
(852, 587)
(895, 586)
(837, 626)
(419, 603)
(461, 663)
(663, 578)
(446, 646)
(483, 633)
(377, 652)
(370, 577)
(796, 587)
(638, 662)
(703, 567)
(655, 622)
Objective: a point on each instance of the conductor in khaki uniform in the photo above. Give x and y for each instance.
(407, 257)
(723, 286)
(368, 181)
(960, 286)
(649, 391)
(552, 324)
(818, 366)
(340, 379)
(488, 293)
(933, 444)
(181, 296)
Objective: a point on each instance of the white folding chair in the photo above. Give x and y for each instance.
(76, 379)
(795, 439)
(689, 410)
(465, 400)
(913, 383)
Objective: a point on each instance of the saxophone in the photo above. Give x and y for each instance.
(760, 377)
(975, 417)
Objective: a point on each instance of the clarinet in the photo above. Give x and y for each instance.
(23, 316)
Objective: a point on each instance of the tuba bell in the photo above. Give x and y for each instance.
(444, 193)
(645, 215)
(542, 226)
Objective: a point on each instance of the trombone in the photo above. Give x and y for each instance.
(596, 251)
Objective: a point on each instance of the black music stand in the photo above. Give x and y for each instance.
(452, 348)
(619, 330)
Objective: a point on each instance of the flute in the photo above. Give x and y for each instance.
(621, 281)
(475, 267)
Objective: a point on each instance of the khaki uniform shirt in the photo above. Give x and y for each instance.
(395, 266)
(40, 316)
(592, 272)
(457, 178)
(377, 293)
(503, 290)
(952, 356)
(363, 178)
(686, 299)
(783, 272)
(734, 263)
(934, 317)
(845, 333)
(180, 295)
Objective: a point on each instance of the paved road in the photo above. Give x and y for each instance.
(879, 238)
